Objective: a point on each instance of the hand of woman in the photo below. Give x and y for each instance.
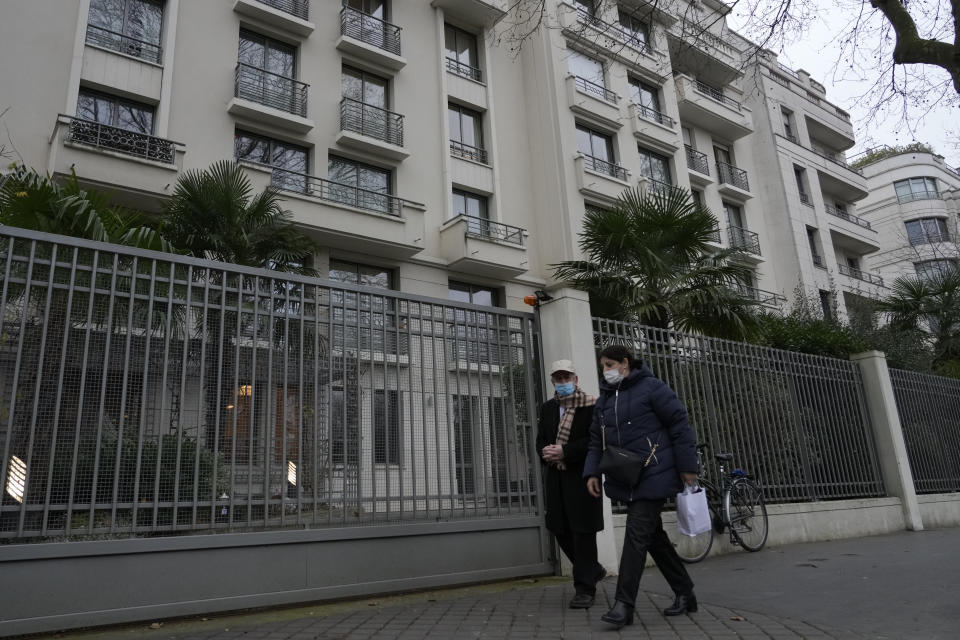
(593, 486)
(688, 478)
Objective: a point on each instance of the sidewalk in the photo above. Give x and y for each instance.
(896, 586)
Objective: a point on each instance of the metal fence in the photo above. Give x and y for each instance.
(929, 409)
(797, 422)
(144, 393)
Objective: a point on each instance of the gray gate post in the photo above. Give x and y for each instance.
(567, 332)
(888, 434)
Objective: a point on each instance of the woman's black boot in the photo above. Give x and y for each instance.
(621, 614)
(684, 603)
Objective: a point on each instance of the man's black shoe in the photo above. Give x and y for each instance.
(686, 603)
(582, 601)
(620, 615)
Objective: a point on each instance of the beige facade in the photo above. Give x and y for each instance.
(426, 109)
(914, 202)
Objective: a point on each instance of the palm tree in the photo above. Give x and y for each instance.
(214, 214)
(928, 302)
(32, 201)
(649, 260)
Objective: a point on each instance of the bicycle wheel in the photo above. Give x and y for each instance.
(694, 549)
(747, 514)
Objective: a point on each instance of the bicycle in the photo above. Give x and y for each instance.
(737, 506)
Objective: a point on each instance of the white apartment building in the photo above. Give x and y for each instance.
(914, 203)
(423, 151)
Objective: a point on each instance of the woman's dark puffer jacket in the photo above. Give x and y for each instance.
(649, 413)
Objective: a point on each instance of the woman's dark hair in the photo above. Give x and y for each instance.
(618, 352)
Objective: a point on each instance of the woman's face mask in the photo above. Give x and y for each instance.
(563, 389)
(613, 376)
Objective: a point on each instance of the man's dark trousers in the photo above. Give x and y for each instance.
(581, 549)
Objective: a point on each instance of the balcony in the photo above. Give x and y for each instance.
(467, 152)
(934, 237)
(612, 39)
(715, 236)
(697, 161)
(712, 109)
(843, 215)
(464, 70)
(818, 260)
(654, 128)
(597, 165)
(483, 247)
(269, 97)
(805, 199)
(657, 187)
(765, 298)
(743, 239)
(370, 38)
(485, 13)
(602, 180)
(859, 274)
(346, 216)
(733, 180)
(372, 129)
(107, 39)
(594, 102)
(292, 16)
(138, 168)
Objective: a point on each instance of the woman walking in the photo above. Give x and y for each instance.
(640, 413)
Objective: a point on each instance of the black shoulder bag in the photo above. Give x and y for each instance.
(623, 466)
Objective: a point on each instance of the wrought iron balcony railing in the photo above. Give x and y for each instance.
(766, 298)
(370, 30)
(490, 230)
(715, 235)
(744, 239)
(594, 89)
(372, 121)
(920, 195)
(932, 237)
(608, 168)
(832, 157)
(849, 217)
(120, 43)
(298, 8)
(733, 175)
(787, 70)
(468, 152)
(615, 31)
(131, 143)
(818, 260)
(652, 114)
(270, 89)
(859, 274)
(805, 198)
(697, 161)
(792, 138)
(717, 95)
(336, 192)
(465, 70)
(656, 186)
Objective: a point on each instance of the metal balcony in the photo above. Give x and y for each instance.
(608, 168)
(818, 261)
(861, 275)
(100, 37)
(490, 230)
(468, 152)
(697, 161)
(594, 89)
(369, 30)
(464, 70)
(270, 89)
(840, 213)
(744, 239)
(805, 198)
(616, 32)
(298, 8)
(371, 121)
(336, 192)
(656, 186)
(653, 114)
(733, 175)
(766, 298)
(717, 94)
(131, 143)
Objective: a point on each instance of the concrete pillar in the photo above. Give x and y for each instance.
(888, 434)
(567, 332)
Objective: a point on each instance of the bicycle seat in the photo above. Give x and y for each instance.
(724, 457)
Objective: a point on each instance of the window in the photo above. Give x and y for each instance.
(637, 30)
(598, 151)
(916, 189)
(132, 27)
(688, 138)
(800, 175)
(375, 8)
(288, 160)
(462, 58)
(655, 167)
(734, 215)
(788, 124)
(364, 87)
(585, 7)
(927, 230)
(814, 242)
(466, 135)
(853, 263)
(826, 305)
(115, 112)
(360, 274)
(386, 427)
(265, 72)
(472, 293)
(589, 72)
(930, 269)
(366, 100)
(360, 185)
(722, 154)
(646, 97)
(366, 321)
(474, 333)
(344, 421)
(697, 197)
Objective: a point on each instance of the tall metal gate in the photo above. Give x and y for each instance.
(147, 395)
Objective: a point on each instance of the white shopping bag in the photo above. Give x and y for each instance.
(693, 515)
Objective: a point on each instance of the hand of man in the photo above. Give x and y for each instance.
(552, 453)
(593, 486)
(688, 478)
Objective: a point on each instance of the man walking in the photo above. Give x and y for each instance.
(572, 514)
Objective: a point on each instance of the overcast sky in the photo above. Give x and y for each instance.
(818, 54)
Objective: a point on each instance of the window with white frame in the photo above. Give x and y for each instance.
(132, 27)
(921, 188)
(927, 230)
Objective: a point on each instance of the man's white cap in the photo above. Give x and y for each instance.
(562, 365)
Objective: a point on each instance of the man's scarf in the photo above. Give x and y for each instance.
(570, 404)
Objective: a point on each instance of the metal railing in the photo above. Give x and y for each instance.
(805, 198)
(832, 157)
(130, 143)
(733, 175)
(121, 43)
(925, 195)
(929, 410)
(368, 120)
(298, 8)
(787, 70)
(594, 89)
(744, 239)
(792, 138)
(270, 89)
(696, 34)
(715, 235)
(617, 32)
(859, 274)
(760, 296)
(849, 217)
(370, 30)
(818, 260)
(649, 113)
(797, 422)
(465, 70)
(658, 186)
(717, 95)
(154, 394)
(929, 237)
(468, 152)
(697, 160)
(491, 230)
(602, 166)
(336, 192)
(840, 112)
(780, 79)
